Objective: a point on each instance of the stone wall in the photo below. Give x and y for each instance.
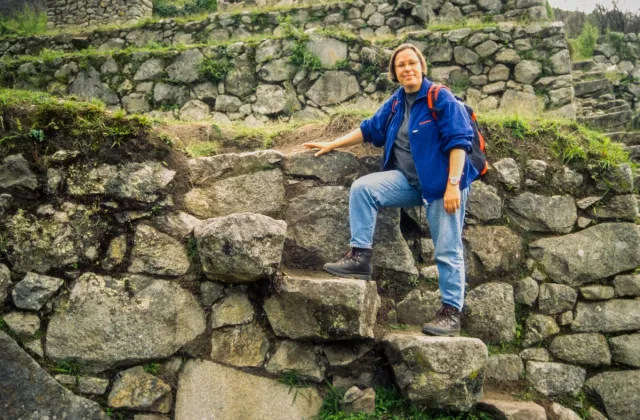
(11, 7)
(505, 66)
(61, 13)
(360, 18)
(175, 262)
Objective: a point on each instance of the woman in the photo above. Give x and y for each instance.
(425, 162)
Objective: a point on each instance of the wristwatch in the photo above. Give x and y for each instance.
(454, 180)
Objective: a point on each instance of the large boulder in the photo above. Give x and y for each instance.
(484, 203)
(273, 100)
(333, 87)
(626, 349)
(331, 167)
(538, 213)
(240, 248)
(553, 379)
(87, 86)
(591, 254)
(210, 390)
(28, 392)
(585, 349)
(619, 391)
(15, 172)
(492, 251)
(186, 67)
(110, 322)
(34, 290)
(328, 50)
(323, 309)
(610, 316)
(489, 313)
(141, 181)
(205, 171)
(428, 379)
(156, 253)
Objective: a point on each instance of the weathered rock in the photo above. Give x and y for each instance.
(28, 389)
(134, 389)
(620, 178)
(5, 282)
(151, 69)
(195, 110)
(87, 86)
(331, 309)
(558, 412)
(597, 292)
(526, 291)
(484, 203)
(22, 324)
(116, 253)
(234, 309)
(594, 253)
(359, 401)
(244, 346)
(156, 253)
(226, 103)
(34, 290)
(616, 315)
(154, 319)
(507, 56)
(492, 250)
(505, 408)
(136, 181)
(240, 248)
(298, 356)
(561, 62)
(328, 50)
(277, 71)
(207, 170)
(553, 379)
(539, 213)
(91, 385)
(210, 292)
(333, 87)
(211, 390)
(504, 369)
(418, 307)
(620, 392)
(464, 55)
(567, 180)
(240, 81)
(178, 225)
(626, 349)
(15, 173)
(186, 67)
(489, 313)
(535, 354)
(390, 249)
(594, 414)
(508, 173)
(273, 100)
(330, 167)
(527, 71)
(585, 349)
(556, 298)
(538, 328)
(259, 192)
(427, 379)
(521, 102)
(619, 207)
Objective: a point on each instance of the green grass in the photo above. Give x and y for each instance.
(152, 368)
(26, 23)
(68, 367)
(582, 47)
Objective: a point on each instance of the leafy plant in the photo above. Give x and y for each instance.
(168, 8)
(37, 135)
(582, 47)
(215, 70)
(152, 368)
(26, 23)
(304, 59)
(192, 250)
(294, 380)
(69, 367)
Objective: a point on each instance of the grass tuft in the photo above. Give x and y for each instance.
(26, 23)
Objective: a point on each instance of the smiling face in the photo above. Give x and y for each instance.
(408, 69)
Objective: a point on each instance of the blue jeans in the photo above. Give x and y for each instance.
(391, 189)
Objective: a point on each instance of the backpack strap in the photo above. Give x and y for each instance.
(394, 105)
(432, 98)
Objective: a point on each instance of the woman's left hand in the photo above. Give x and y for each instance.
(452, 198)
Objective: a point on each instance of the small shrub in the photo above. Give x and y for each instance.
(304, 59)
(582, 47)
(152, 368)
(215, 70)
(550, 13)
(26, 23)
(170, 8)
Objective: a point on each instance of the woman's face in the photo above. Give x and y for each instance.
(408, 70)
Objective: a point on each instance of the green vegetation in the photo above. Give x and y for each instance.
(26, 23)
(192, 250)
(550, 13)
(215, 70)
(582, 47)
(69, 367)
(168, 8)
(152, 368)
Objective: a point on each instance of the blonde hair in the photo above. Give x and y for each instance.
(392, 67)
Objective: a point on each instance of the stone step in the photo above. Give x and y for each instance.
(593, 88)
(630, 138)
(608, 121)
(583, 65)
(611, 106)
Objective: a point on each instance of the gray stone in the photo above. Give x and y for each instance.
(68, 381)
(328, 50)
(15, 172)
(627, 285)
(185, 68)
(28, 389)
(526, 291)
(565, 318)
(450, 13)
(359, 401)
(277, 71)
(567, 180)
(240, 81)
(211, 390)
(538, 328)
(240, 248)
(538, 213)
(136, 103)
(484, 203)
(297, 356)
(91, 385)
(508, 172)
(584, 349)
(333, 87)
(156, 253)
(34, 290)
(556, 298)
(535, 354)
(455, 383)
(243, 346)
(620, 392)
(464, 56)
(558, 412)
(22, 324)
(493, 88)
(512, 409)
(527, 71)
(273, 100)
(597, 292)
(170, 95)
(441, 53)
(489, 313)
(150, 70)
(205, 91)
(561, 62)
(161, 316)
(487, 48)
(418, 307)
(137, 181)
(344, 355)
(616, 315)
(176, 224)
(207, 169)
(195, 110)
(5, 283)
(332, 309)
(234, 309)
(87, 85)
(35, 347)
(504, 369)
(210, 292)
(225, 103)
(331, 167)
(591, 254)
(619, 178)
(492, 251)
(626, 349)
(499, 72)
(134, 389)
(507, 56)
(619, 207)
(521, 102)
(594, 414)
(553, 379)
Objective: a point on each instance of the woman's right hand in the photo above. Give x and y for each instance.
(323, 146)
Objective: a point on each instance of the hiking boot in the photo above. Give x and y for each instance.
(356, 264)
(446, 323)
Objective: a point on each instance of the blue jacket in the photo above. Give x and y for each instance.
(430, 141)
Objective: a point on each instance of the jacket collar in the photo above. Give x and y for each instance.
(422, 93)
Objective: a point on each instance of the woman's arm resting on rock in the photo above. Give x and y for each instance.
(350, 139)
